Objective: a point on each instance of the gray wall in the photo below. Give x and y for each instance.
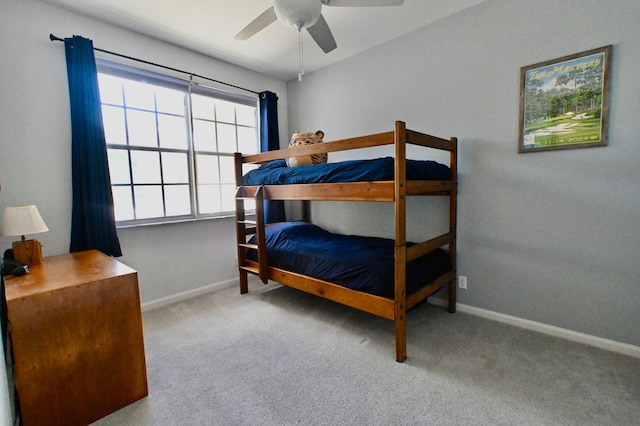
(552, 237)
(35, 165)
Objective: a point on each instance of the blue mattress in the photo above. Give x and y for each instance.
(277, 173)
(361, 263)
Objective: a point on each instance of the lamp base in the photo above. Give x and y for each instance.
(28, 251)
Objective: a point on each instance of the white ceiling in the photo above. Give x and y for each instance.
(208, 27)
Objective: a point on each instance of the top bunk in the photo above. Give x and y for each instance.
(355, 180)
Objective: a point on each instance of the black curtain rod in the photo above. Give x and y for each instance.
(54, 38)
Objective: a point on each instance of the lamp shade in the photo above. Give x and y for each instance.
(22, 220)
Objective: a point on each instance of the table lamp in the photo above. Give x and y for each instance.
(22, 220)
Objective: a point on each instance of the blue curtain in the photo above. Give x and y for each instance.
(270, 141)
(93, 223)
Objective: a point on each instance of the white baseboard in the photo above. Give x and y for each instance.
(179, 297)
(574, 336)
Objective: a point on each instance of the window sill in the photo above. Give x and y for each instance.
(161, 222)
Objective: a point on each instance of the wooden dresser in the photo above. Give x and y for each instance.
(76, 331)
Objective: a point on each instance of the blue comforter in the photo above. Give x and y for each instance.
(361, 263)
(277, 173)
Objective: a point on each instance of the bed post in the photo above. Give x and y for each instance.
(400, 252)
(453, 197)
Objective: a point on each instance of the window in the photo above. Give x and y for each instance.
(170, 144)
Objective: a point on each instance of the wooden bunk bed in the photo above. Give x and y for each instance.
(395, 191)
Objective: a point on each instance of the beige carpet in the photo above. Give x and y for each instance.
(277, 356)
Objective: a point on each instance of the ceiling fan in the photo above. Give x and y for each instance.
(306, 14)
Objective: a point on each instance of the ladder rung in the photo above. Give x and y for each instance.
(248, 222)
(254, 270)
(251, 269)
(249, 246)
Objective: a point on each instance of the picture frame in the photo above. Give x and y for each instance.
(564, 102)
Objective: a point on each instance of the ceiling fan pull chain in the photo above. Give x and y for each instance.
(301, 73)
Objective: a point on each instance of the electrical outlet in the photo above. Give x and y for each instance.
(235, 261)
(462, 282)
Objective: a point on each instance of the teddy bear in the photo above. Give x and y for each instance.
(303, 139)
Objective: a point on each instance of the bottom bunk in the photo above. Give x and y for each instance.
(353, 270)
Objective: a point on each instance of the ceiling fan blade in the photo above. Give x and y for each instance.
(321, 33)
(362, 3)
(261, 22)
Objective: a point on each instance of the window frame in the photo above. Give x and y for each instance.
(190, 88)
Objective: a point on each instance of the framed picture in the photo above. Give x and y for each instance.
(564, 103)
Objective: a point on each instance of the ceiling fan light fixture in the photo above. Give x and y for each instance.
(306, 14)
(298, 13)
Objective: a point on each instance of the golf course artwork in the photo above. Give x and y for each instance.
(564, 102)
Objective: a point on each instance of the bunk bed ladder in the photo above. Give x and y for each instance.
(246, 228)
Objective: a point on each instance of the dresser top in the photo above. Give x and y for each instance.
(65, 270)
